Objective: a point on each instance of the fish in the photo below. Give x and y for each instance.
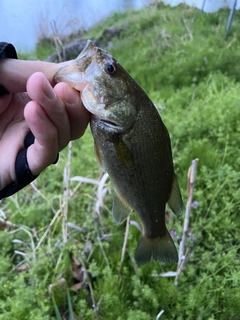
(132, 145)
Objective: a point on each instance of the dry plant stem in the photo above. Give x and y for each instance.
(67, 176)
(124, 244)
(101, 247)
(160, 314)
(94, 305)
(61, 208)
(58, 43)
(191, 182)
(39, 192)
(22, 228)
(58, 262)
(101, 192)
(49, 227)
(134, 264)
(187, 28)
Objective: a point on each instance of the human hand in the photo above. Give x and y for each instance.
(55, 115)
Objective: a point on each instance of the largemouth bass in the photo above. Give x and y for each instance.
(132, 144)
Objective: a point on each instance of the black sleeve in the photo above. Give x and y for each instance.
(23, 173)
(7, 50)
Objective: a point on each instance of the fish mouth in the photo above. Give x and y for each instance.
(110, 124)
(106, 122)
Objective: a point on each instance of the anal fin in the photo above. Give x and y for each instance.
(120, 209)
(175, 201)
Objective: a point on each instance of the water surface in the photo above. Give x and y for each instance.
(24, 21)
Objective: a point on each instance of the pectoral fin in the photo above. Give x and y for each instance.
(123, 153)
(120, 209)
(175, 201)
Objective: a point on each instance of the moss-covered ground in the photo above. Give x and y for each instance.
(60, 257)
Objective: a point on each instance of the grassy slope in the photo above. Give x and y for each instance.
(179, 56)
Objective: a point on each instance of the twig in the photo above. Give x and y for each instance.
(56, 216)
(58, 212)
(58, 262)
(85, 180)
(124, 244)
(102, 189)
(190, 187)
(159, 315)
(24, 229)
(134, 264)
(49, 202)
(136, 225)
(58, 43)
(95, 305)
(101, 193)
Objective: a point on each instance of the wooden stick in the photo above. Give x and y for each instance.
(159, 315)
(190, 188)
(124, 244)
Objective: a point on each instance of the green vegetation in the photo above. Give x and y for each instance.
(51, 270)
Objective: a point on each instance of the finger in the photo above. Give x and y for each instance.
(39, 90)
(10, 144)
(44, 150)
(15, 73)
(4, 102)
(11, 113)
(78, 115)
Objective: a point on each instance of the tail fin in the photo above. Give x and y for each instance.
(161, 249)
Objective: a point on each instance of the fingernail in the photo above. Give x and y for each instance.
(48, 90)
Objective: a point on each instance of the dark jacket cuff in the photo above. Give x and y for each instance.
(23, 173)
(7, 50)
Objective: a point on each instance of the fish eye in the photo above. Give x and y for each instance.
(110, 68)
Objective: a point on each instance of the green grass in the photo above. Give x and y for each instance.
(183, 61)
